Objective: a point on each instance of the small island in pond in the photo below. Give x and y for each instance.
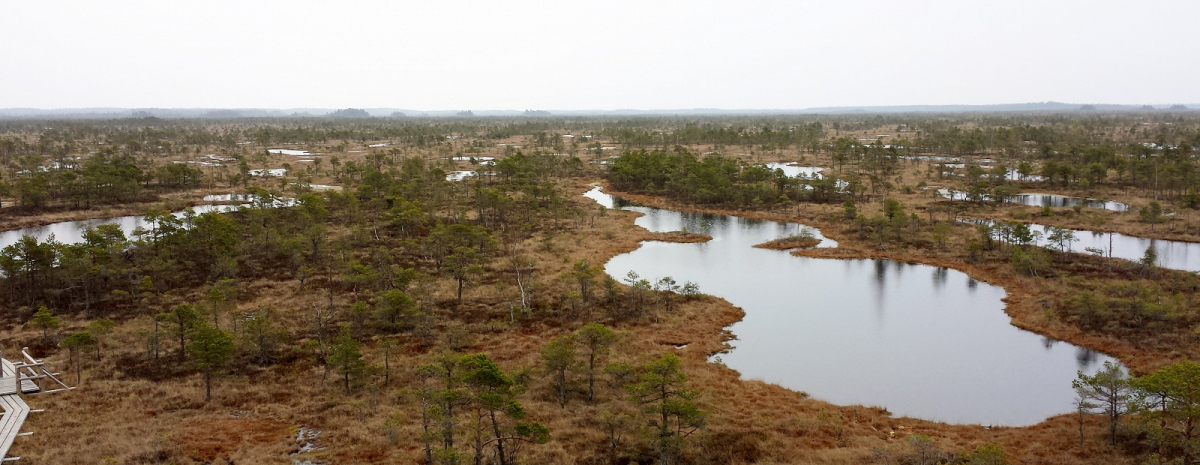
(801, 240)
(680, 236)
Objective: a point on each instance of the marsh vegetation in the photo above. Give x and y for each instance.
(417, 315)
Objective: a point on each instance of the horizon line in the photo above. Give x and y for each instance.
(214, 112)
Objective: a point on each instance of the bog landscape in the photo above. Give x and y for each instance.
(879, 288)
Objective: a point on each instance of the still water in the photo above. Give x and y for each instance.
(793, 170)
(459, 175)
(71, 232)
(296, 153)
(919, 340)
(1059, 201)
(1044, 200)
(1176, 255)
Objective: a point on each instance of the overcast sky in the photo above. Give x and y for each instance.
(495, 55)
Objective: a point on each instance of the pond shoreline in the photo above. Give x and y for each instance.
(1026, 301)
(1049, 221)
(774, 323)
(97, 213)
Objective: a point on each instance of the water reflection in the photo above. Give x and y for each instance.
(459, 175)
(1061, 201)
(1042, 200)
(793, 170)
(853, 332)
(940, 275)
(880, 282)
(1087, 357)
(71, 232)
(1176, 255)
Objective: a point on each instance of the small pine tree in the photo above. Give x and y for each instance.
(1109, 388)
(100, 329)
(346, 356)
(45, 321)
(184, 317)
(75, 344)
(661, 391)
(597, 340)
(1149, 258)
(210, 348)
(559, 358)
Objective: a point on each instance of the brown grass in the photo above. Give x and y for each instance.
(16, 217)
(789, 242)
(680, 237)
(134, 414)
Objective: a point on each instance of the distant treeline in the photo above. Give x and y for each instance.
(1147, 151)
(950, 133)
(712, 179)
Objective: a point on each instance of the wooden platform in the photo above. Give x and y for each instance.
(15, 413)
(14, 409)
(8, 380)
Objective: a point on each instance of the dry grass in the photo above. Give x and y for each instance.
(680, 237)
(133, 414)
(17, 218)
(789, 242)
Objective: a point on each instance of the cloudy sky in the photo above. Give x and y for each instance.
(437, 55)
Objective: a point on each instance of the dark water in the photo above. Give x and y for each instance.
(921, 341)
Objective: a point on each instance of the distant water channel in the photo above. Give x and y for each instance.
(793, 170)
(71, 232)
(1176, 255)
(919, 340)
(1044, 200)
(1060, 201)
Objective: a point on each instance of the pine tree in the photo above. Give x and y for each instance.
(210, 349)
(346, 356)
(596, 339)
(559, 357)
(44, 320)
(75, 344)
(661, 391)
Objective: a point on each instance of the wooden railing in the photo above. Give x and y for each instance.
(26, 376)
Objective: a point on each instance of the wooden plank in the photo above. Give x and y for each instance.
(8, 369)
(15, 413)
(29, 387)
(14, 408)
(8, 378)
(7, 422)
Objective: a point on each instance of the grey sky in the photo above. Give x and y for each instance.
(594, 55)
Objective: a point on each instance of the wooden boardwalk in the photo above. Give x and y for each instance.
(27, 375)
(8, 381)
(14, 409)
